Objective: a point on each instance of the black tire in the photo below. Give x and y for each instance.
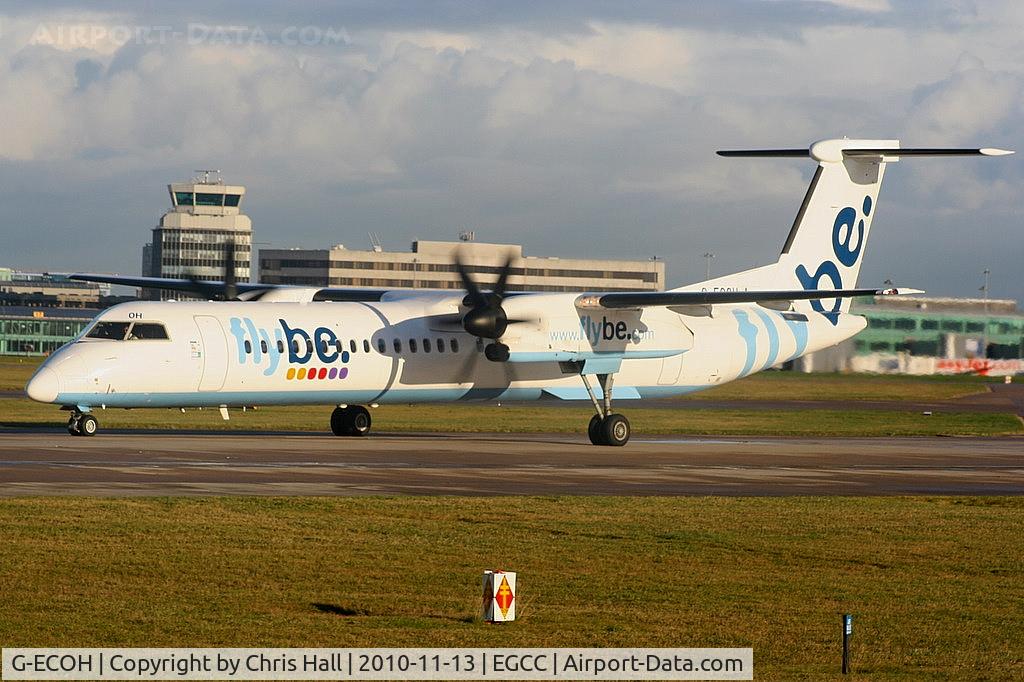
(339, 419)
(615, 429)
(595, 431)
(358, 421)
(87, 425)
(73, 426)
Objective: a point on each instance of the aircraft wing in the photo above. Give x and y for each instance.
(190, 286)
(642, 299)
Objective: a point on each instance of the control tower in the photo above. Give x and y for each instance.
(192, 237)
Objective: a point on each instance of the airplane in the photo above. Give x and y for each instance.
(262, 344)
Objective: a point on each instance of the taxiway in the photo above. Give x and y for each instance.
(50, 462)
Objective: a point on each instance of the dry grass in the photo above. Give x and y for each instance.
(15, 371)
(534, 418)
(843, 387)
(935, 584)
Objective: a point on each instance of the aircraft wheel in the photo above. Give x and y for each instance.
(595, 431)
(87, 425)
(338, 420)
(73, 425)
(358, 421)
(615, 429)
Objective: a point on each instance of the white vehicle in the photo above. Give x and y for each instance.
(283, 345)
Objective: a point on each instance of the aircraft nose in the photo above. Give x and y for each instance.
(43, 386)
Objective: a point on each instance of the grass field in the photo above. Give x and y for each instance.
(15, 371)
(533, 418)
(935, 584)
(843, 387)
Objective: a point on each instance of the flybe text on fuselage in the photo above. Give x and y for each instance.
(295, 344)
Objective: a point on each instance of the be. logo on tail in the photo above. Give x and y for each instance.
(847, 248)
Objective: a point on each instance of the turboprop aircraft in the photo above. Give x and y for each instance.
(261, 344)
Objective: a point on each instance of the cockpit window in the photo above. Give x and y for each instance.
(147, 330)
(109, 330)
(119, 331)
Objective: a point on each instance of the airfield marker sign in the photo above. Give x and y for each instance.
(499, 597)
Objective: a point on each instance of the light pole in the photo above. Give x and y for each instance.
(707, 264)
(984, 335)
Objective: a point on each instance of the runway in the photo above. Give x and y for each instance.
(132, 463)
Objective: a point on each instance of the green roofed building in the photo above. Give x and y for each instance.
(37, 330)
(930, 336)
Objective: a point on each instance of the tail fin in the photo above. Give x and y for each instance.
(826, 244)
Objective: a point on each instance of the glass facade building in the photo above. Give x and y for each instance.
(28, 330)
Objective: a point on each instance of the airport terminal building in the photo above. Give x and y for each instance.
(431, 265)
(924, 335)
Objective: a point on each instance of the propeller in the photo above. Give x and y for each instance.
(226, 290)
(486, 318)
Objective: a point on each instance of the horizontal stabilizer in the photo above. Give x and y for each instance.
(834, 151)
(642, 299)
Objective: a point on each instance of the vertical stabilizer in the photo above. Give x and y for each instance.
(825, 247)
(826, 244)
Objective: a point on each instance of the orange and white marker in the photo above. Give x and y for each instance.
(499, 596)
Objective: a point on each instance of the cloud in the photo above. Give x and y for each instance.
(576, 128)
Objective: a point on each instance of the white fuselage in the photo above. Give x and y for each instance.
(406, 349)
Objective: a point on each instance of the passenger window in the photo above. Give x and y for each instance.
(352, 345)
(309, 346)
(147, 330)
(323, 347)
(440, 345)
(295, 346)
(280, 346)
(455, 345)
(339, 345)
(380, 345)
(248, 346)
(426, 345)
(412, 345)
(263, 346)
(398, 345)
(366, 346)
(114, 331)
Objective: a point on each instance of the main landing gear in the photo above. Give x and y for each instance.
(605, 427)
(352, 420)
(83, 424)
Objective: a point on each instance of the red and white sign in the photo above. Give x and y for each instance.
(980, 366)
(499, 596)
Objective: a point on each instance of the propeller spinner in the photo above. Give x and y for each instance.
(486, 317)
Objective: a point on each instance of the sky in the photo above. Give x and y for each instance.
(578, 129)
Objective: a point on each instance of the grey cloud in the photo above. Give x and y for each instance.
(420, 141)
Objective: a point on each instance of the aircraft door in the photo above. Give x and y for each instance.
(215, 353)
(680, 337)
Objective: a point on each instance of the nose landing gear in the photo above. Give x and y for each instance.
(83, 424)
(606, 428)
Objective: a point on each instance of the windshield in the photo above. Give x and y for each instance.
(108, 330)
(119, 331)
(147, 330)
